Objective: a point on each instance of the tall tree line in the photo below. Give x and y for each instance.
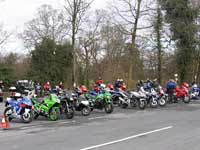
(134, 40)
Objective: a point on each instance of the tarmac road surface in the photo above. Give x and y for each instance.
(175, 127)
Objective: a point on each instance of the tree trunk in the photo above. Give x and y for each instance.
(133, 49)
(158, 28)
(73, 44)
(87, 68)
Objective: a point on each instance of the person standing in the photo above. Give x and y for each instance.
(61, 86)
(47, 88)
(171, 86)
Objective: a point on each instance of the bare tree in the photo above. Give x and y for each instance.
(76, 10)
(89, 42)
(132, 17)
(4, 36)
(49, 23)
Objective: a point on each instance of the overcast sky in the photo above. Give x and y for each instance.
(14, 13)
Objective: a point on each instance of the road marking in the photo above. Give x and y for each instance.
(96, 118)
(127, 138)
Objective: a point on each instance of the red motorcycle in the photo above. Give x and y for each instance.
(182, 93)
(123, 87)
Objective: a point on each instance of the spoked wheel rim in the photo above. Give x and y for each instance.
(109, 108)
(142, 104)
(8, 113)
(162, 102)
(70, 114)
(154, 103)
(186, 99)
(26, 117)
(53, 114)
(86, 111)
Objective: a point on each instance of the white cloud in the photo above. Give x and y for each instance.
(14, 13)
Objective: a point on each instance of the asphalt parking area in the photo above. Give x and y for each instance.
(160, 128)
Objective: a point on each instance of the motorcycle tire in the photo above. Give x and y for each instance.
(1, 99)
(171, 99)
(115, 100)
(35, 116)
(142, 105)
(5, 113)
(86, 111)
(153, 104)
(162, 102)
(108, 108)
(54, 113)
(123, 105)
(27, 118)
(186, 100)
(69, 113)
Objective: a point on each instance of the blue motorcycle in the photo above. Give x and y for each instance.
(18, 107)
(118, 96)
(195, 92)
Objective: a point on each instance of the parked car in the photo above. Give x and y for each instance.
(25, 87)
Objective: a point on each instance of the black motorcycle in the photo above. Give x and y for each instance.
(66, 105)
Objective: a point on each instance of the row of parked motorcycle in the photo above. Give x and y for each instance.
(29, 107)
(66, 103)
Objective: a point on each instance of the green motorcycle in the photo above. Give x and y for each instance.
(101, 101)
(49, 108)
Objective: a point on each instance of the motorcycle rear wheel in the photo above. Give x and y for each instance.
(108, 108)
(86, 111)
(123, 105)
(35, 115)
(5, 113)
(153, 104)
(27, 118)
(162, 102)
(142, 105)
(69, 113)
(186, 99)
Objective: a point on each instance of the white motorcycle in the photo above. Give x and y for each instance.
(81, 104)
(138, 99)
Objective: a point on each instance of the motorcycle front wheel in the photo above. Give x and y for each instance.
(109, 108)
(27, 117)
(142, 105)
(162, 102)
(54, 113)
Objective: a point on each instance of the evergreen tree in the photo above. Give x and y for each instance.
(181, 16)
(49, 62)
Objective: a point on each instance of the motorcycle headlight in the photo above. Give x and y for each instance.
(108, 97)
(58, 100)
